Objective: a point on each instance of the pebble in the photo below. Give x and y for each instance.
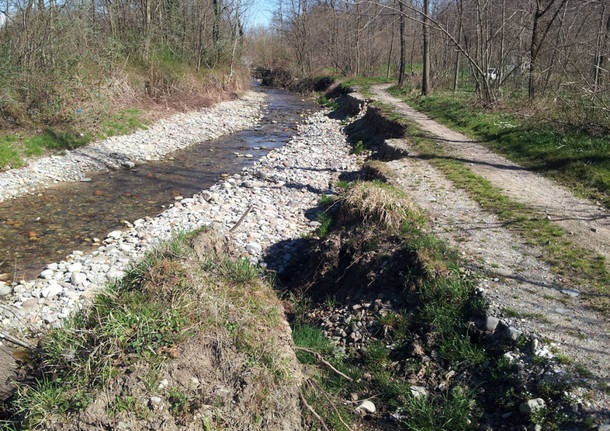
(51, 290)
(366, 407)
(532, 406)
(418, 392)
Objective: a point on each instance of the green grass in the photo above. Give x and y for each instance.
(123, 122)
(329, 103)
(9, 155)
(575, 159)
(176, 295)
(15, 147)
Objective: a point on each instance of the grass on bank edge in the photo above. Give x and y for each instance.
(583, 267)
(447, 304)
(574, 158)
(175, 295)
(14, 147)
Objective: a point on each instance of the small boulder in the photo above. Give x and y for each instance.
(491, 323)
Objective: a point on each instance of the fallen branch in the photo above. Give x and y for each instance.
(325, 362)
(241, 219)
(16, 341)
(313, 412)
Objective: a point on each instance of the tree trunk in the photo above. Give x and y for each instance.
(403, 42)
(425, 83)
(456, 73)
(216, 29)
(389, 68)
(602, 47)
(533, 54)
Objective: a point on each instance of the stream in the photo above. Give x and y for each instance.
(47, 226)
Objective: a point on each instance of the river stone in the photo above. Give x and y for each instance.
(5, 289)
(47, 274)
(78, 278)
(115, 234)
(254, 248)
(366, 406)
(52, 289)
(75, 267)
(532, 406)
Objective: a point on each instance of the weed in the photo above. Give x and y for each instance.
(453, 411)
(325, 200)
(325, 221)
(9, 156)
(324, 101)
(178, 401)
(358, 148)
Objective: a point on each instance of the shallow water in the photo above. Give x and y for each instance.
(42, 228)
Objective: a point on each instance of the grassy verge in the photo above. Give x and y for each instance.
(576, 159)
(14, 147)
(581, 266)
(158, 344)
(377, 243)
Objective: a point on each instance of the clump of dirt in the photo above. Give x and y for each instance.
(221, 358)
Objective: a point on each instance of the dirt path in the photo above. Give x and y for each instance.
(521, 288)
(588, 223)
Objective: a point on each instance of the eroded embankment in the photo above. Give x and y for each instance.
(518, 282)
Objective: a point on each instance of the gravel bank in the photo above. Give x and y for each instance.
(279, 188)
(163, 137)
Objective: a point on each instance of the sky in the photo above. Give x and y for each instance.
(260, 12)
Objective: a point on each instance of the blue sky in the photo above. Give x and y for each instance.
(260, 12)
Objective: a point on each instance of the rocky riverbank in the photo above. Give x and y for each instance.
(273, 194)
(163, 137)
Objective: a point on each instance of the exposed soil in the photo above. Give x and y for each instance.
(588, 223)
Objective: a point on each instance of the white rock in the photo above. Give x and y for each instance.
(78, 278)
(52, 289)
(418, 392)
(532, 406)
(47, 274)
(254, 248)
(366, 406)
(115, 234)
(75, 267)
(5, 289)
(163, 384)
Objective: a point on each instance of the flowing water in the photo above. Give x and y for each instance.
(47, 226)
